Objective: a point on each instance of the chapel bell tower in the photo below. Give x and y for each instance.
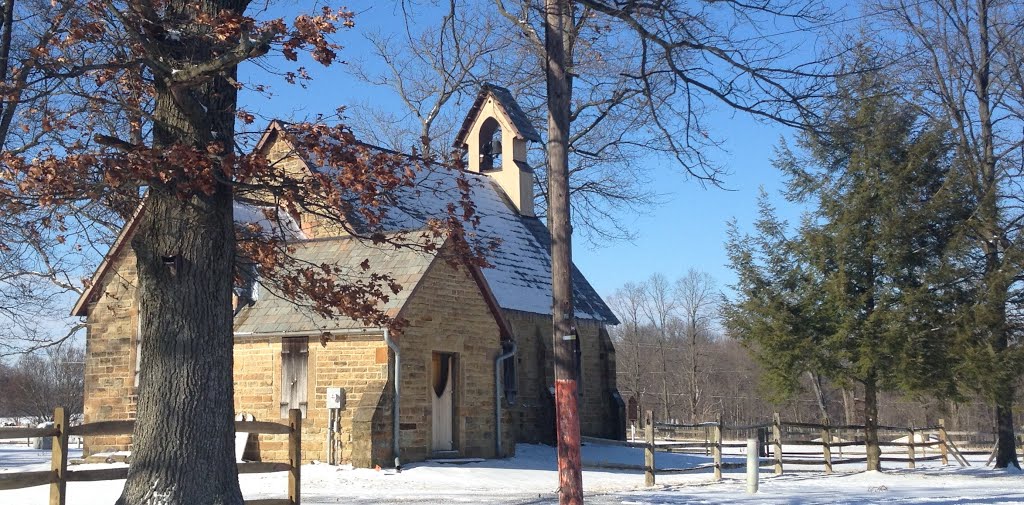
(494, 134)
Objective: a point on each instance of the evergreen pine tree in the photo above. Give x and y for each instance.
(865, 292)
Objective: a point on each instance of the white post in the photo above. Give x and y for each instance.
(753, 462)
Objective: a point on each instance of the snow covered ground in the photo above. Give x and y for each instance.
(530, 478)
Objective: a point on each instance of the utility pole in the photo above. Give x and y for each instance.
(570, 476)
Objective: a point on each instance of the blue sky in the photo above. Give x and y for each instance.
(687, 230)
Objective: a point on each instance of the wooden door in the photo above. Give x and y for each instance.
(442, 393)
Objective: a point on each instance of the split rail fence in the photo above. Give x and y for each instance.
(59, 475)
(806, 443)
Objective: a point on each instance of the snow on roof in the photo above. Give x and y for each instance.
(520, 275)
(270, 220)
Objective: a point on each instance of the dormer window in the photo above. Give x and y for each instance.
(490, 145)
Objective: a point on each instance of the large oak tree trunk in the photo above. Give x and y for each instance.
(183, 447)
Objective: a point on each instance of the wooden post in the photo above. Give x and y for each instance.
(649, 448)
(777, 442)
(910, 450)
(942, 442)
(59, 457)
(717, 448)
(295, 456)
(826, 448)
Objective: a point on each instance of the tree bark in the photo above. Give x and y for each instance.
(874, 452)
(819, 395)
(570, 477)
(7, 104)
(183, 446)
(848, 407)
(1006, 448)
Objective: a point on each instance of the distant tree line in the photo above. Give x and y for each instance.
(656, 363)
(33, 385)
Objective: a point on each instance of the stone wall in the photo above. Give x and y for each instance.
(447, 314)
(356, 363)
(282, 155)
(533, 415)
(111, 332)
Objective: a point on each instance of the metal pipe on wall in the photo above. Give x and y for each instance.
(395, 419)
(497, 398)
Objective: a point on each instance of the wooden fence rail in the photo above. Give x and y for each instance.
(58, 476)
(919, 441)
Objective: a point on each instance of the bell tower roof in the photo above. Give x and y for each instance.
(517, 119)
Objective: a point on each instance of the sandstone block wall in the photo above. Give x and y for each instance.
(447, 314)
(534, 413)
(356, 363)
(111, 332)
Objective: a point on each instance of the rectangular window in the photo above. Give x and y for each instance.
(510, 379)
(294, 360)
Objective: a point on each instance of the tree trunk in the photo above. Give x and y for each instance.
(183, 446)
(665, 399)
(570, 476)
(874, 452)
(1006, 447)
(694, 388)
(8, 104)
(819, 395)
(997, 288)
(849, 407)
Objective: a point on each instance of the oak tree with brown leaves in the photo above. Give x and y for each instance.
(169, 67)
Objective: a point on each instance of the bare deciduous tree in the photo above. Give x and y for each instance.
(696, 298)
(659, 306)
(438, 68)
(42, 380)
(632, 341)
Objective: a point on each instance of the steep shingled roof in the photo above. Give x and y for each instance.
(520, 272)
(272, 314)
